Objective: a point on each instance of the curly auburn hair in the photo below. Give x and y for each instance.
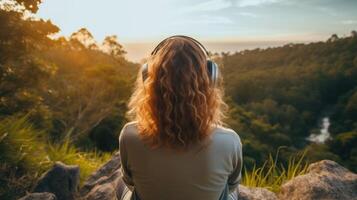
(176, 106)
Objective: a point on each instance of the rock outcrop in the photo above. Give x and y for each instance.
(61, 180)
(105, 183)
(39, 196)
(325, 180)
(246, 193)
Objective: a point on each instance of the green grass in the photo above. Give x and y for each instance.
(22, 146)
(23, 157)
(25, 154)
(272, 175)
(88, 162)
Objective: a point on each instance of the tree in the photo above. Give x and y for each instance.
(87, 87)
(85, 38)
(110, 44)
(333, 38)
(21, 5)
(112, 47)
(79, 103)
(21, 69)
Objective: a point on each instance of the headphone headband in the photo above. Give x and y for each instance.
(212, 67)
(199, 44)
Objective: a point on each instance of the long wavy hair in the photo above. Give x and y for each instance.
(176, 106)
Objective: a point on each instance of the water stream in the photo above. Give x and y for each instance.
(323, 134)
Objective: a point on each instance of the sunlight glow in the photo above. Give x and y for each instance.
(260, 22)
(143, 21)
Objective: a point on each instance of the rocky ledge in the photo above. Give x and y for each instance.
(325, 180)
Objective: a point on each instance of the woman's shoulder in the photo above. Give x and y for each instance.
(227, 134)
(129, 130)
(131, 125)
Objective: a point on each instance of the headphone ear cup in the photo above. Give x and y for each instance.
(144, 71)
(212, 69)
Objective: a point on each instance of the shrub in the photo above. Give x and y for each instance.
(22, 156)
(25, 154)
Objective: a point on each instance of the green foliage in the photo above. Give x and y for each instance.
(70, 86)
(25, 154)
(22, 156)
(23, 146)
(22, 72)
(278, 95)
(29, 5)
(320, 152)
(273, 174)
(75, 92)
(88, 162)
(65, 89)
(344, 145)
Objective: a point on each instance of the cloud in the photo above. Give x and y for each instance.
(246, 3)
(215, 20)
(215, 5)
(212, 5)
(248, 14)
(208, 19)
(327, 10)
(349, 22)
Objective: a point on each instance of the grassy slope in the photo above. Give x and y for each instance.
(26, 154)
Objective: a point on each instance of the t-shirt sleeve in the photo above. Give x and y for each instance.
(237, 158)
(125, 168)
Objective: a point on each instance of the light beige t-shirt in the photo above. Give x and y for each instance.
(162, 174)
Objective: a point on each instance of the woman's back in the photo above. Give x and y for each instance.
(176, 147)
(202, 172)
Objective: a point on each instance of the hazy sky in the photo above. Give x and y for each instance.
(216, 20)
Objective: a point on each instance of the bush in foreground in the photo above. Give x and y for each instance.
(25, 154)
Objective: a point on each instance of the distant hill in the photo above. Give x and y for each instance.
(141, 50)
(279, 95)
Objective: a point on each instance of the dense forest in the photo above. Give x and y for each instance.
(61, 99)
(65, 98)
(279, 97)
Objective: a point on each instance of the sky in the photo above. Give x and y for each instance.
(224, 21)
